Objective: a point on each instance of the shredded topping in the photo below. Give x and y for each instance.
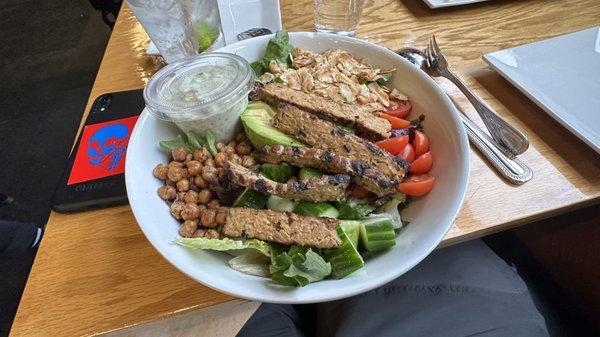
(334, 74)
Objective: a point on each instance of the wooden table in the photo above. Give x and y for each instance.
(96, 272)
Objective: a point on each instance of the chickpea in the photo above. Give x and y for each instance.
(208, 218)
(175, 164)
(243, 148)
(192, 184)
(180, 196)
(188, 228)
(199, 233)
(183, 185)
(206, 233)
(169, 182)
(221, 216)
(160, 171)
(191, 197)
(202, 208)
(201, 154)
(221, 173)
(188, 158)
(194, 167)
(234, 158)
(190, 211)
(209, 174)
(179, 153)
(204, 196)
(211, 234)
(200, 182)
(220, 146)
(229, 149)
(248, 161)
(209, 162)
(220, 158)
(213, 204)
(175, 173)
(176, 209)
(167, 192)
(240, 137)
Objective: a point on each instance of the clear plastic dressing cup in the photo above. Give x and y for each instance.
(202, 93)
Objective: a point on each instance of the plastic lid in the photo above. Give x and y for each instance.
(198, 87)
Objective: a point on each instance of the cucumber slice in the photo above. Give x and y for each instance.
(344, 260)
(318, 209)
(352, 229)
(278, 172)
(279, 204)
(251, 198)
(377, 234)
(308, 172)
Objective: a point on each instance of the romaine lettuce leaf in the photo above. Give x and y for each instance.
(225, 244)
(298, 267)
(251, 263)
(354, 210)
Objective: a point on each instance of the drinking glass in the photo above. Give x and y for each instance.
(180, 28)
(337, 16)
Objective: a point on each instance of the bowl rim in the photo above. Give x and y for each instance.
(465, 177)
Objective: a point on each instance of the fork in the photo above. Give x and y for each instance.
(500, 130)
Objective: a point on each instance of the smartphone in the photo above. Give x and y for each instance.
(95, 173)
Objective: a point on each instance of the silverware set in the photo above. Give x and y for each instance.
(505, 143)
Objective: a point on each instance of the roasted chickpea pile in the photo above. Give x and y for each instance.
(191, 181)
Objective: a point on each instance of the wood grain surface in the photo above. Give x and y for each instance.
(96, 272)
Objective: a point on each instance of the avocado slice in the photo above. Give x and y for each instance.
(257, 124)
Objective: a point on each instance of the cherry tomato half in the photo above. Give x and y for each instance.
(393, 145)
(420, 143)
(416, 185)
(398, 108)
(397, 123)
(422, 164)
(407, 153)
(360, 192)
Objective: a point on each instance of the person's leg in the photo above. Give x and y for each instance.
(276, 320)
(462, 290)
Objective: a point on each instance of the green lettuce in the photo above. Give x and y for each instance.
(225, 244)
(210, 143)
(278, 49)
(174, 143)
(353, 210)
(297, 267)
(251, 263)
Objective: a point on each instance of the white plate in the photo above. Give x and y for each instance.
(450, 3)
(562, 75)
(431, 216)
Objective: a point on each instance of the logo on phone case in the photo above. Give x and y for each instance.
(102, 149)
(107, 145)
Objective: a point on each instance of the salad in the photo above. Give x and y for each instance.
(315, 182)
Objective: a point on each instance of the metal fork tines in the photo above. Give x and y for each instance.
(501, 131)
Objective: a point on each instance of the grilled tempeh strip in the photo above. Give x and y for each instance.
(285, 228)
(365, 122)
(325, 188)
(328, 161)
(327, 136)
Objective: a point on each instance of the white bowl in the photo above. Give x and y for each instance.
(431, 216)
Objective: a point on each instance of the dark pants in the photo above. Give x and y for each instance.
(462, 290)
